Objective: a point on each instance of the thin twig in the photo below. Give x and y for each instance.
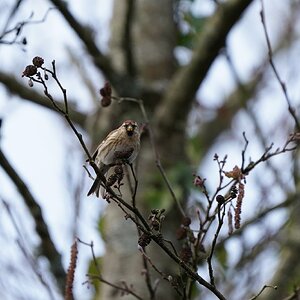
(125, 289)
(163, 275)
(64, 113)
(18, 28)
(210, 217)
(135, 185)
(280, 81)
(214, 242)
(172, 246)
(64, 91)
(193, 275)
(29, 257)
(47, 246)
(262, 290)
(145, 262)
(287, 147)
(33, 263)
(88, 172)
(151, 289)
(244, 150)
(268, 154)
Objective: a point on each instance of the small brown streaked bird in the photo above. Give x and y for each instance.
(121, 144)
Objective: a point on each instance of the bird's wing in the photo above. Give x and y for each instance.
(99, 148)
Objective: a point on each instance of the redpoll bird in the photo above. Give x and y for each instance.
(121, 145)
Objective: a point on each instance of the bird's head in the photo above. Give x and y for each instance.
(131, 127)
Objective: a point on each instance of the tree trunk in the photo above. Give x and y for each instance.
(146, 52)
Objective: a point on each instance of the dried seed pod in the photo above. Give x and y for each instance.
(105, 101)
(30, 70)
(181, 233)
(112, 179)
(186, 254)
(118, 169)
(155, 224)
(38, 61)
(220, 199)
(144, 240)
(106, 90)
(186, 221)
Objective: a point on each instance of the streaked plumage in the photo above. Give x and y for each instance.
(121, 144)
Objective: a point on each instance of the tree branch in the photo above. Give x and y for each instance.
(15, 87)
(276, 72)
(127, 38)
(258, 217)
(180, 94)
(143, 224)
(239, 98)
(16, 30)
(86, 37)
(124, 84)
(47, 246)
(32, 261)
(127, 290)
(262, 290)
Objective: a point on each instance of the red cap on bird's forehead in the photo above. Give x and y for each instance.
(129, 122)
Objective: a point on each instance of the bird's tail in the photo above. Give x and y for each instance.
(96, 186)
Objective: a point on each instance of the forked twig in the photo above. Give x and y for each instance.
(18, 28)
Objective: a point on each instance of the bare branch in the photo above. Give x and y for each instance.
(138, 218)
(123, 288)
(86, 36)
(48, 248)
(260, 215)
(13, 11)
(26, 93)
(280, 81)
(183, 87)
(289, 146)
(127, 38)
(28, 256)
(120, 81)
(163, 275)
(262, 290)
(18, 28)
(214, 242)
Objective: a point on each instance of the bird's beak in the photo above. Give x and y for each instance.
(129, 128)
